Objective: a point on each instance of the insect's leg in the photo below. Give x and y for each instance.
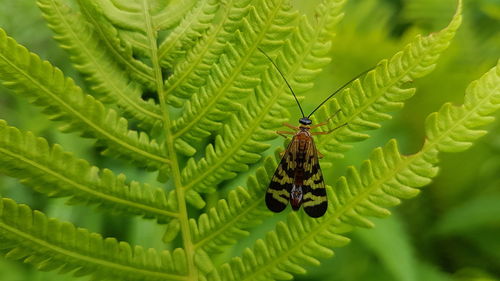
(326, 121)
(284, 133)
(291, 126)
(328, 132)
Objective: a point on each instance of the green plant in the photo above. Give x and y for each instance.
(230, 101)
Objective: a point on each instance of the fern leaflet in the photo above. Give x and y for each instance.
(61, 99)
(367, 102)
(52, 171)
(193, 25)
(50, 244)
(107, 77)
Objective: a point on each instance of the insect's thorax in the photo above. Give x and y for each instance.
(304, 138)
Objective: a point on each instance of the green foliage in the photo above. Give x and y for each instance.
(182, 90)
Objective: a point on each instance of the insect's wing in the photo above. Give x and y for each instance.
(278, 192)
(315, 201)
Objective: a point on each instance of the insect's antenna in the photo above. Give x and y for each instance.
(283, 76)
(340, 89)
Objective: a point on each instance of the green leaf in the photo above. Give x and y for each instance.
(119, 50)
(50, 244)
(383, 90)
(192, 72)
(195, 23)
(62, 100)
(233, 78)
(54, 172)
(230, 219)
(98, 64)
(452, 128)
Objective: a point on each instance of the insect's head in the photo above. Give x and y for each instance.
(305, 121)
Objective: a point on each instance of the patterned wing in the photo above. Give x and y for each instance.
(315, 202)
(278, 192)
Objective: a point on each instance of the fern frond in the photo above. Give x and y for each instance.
(54, 172)
(173, 13)
(129, 18)
(229, 220)
(285, 251)
(368, 101)
(241, 140)
(380, 183)
(191, 73)
(196, 23)
(453, 128)
(237, 73)
(107, 78)
(45, 85)
(119, 50)
(50, 244)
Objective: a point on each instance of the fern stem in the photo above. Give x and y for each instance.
(174, 164)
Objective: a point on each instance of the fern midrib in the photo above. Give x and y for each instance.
(170, 44)
(181, 200)
(201, 53)
(235, 72)
(104, 37)
(98, 67)
(89, 123)
(85, 258)
(109, 198)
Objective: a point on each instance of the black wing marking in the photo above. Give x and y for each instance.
(315, 201)
(278, 192)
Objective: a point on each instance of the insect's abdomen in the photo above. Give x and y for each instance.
(304, 142)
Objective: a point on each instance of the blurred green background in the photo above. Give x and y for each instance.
(450, 232)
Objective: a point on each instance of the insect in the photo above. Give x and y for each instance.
(298, 178)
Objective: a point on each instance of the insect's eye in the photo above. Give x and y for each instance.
(305, 121)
